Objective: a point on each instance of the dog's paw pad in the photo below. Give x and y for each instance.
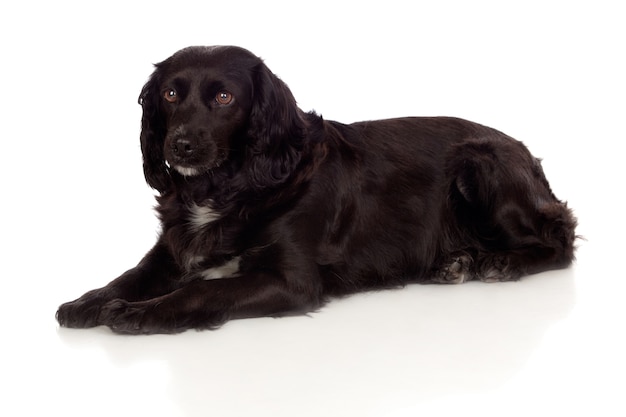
(498, 268)
(457, 271)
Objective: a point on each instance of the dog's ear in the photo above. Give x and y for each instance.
(276, 130)
(153, 136)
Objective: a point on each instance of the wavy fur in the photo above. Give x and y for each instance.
(269, 211)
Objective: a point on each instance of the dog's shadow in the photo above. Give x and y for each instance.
(372, 350)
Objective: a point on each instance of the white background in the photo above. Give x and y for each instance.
(75, 211)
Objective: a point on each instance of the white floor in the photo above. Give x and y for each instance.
(74, 213)
(551, 344)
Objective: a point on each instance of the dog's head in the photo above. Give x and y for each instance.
(205, 107)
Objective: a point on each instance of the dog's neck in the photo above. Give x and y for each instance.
(193, 189)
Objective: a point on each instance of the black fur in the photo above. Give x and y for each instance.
(301, 209)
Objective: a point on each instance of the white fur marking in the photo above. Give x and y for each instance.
(228, 270)
(200, 216)
(186, 171)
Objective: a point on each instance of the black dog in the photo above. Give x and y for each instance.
(269, 211)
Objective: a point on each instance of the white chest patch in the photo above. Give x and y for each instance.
(200, 216)
(228, 270)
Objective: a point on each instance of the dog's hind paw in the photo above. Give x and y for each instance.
(456, 271)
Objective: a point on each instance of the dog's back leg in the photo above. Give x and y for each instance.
(513, 224)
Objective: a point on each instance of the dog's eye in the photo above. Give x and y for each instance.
(224, 97)
(170, 95)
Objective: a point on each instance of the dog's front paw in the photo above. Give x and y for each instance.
(81, 313)
(124, 317)
(143, 317)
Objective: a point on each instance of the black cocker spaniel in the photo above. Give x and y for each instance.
(268, 211)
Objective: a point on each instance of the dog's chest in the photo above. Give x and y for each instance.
(201, 235)
(205, 256)
(199, 217)
(198, 240)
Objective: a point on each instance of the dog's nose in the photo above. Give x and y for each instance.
(182, 147)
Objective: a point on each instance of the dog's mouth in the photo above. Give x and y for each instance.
(192, 155)
(188, 170)
(184, 169)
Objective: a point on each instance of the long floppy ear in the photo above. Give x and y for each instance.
(276, 130)
(153, 137)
